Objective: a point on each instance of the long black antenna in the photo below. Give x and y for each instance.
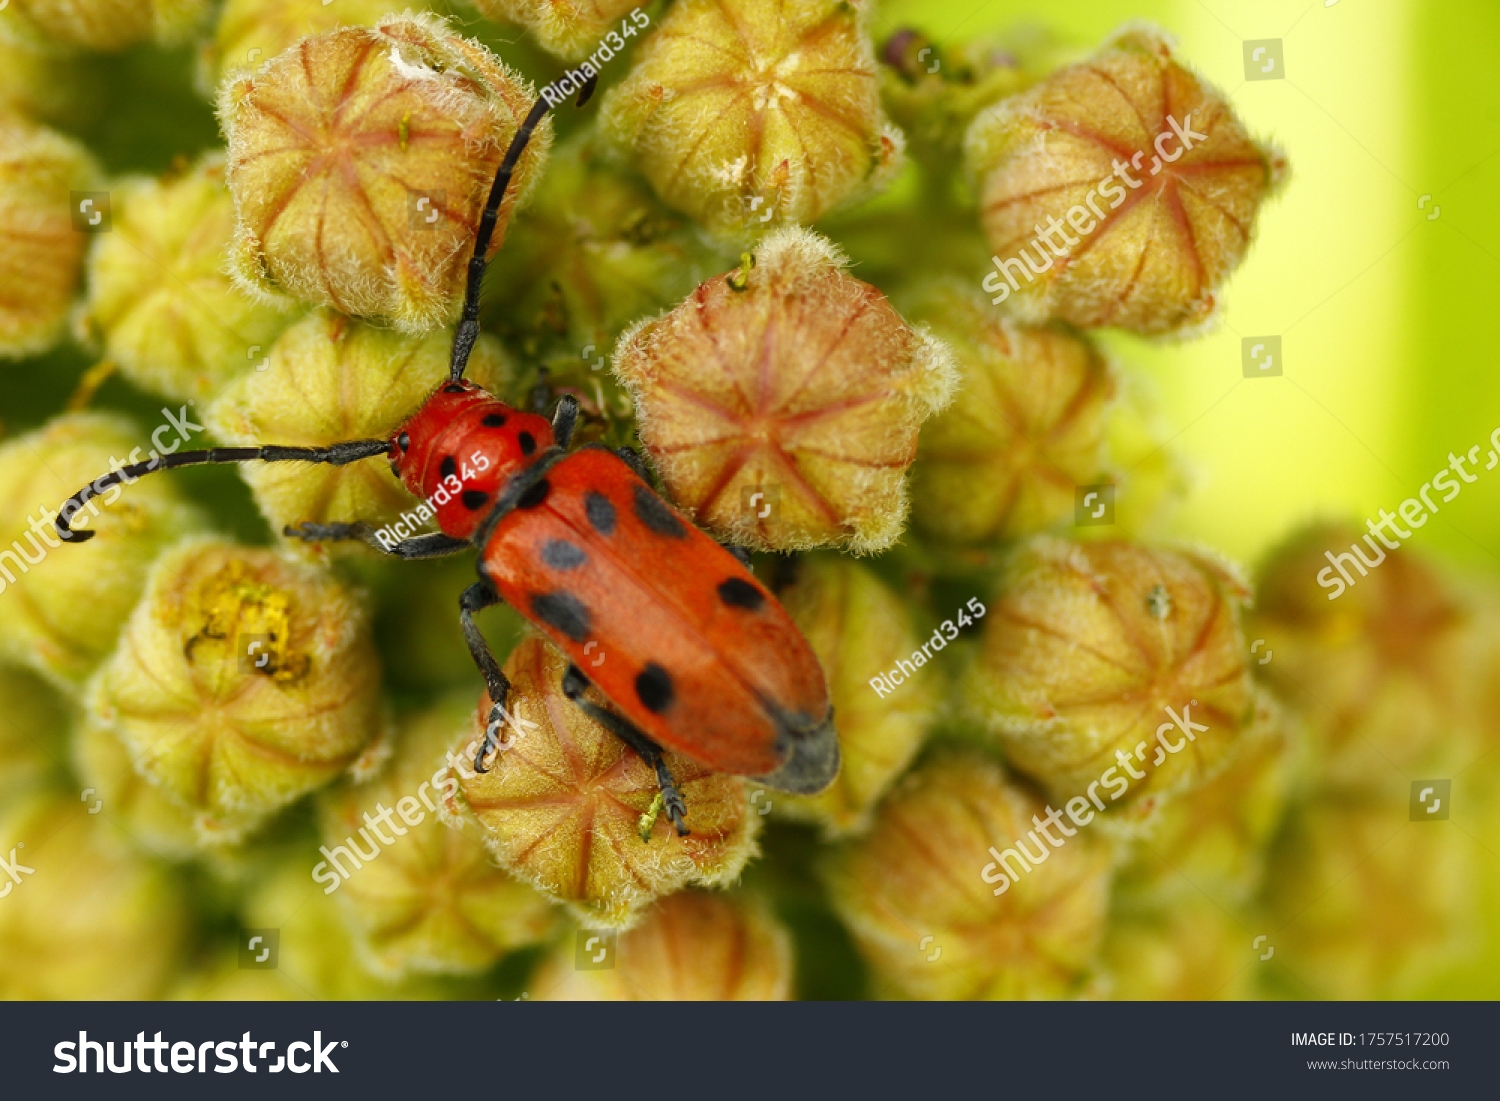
(335, 455)
(468, 325)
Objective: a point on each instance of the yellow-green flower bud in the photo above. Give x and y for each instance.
(755, 115)
(225, 979)
(329, 378)
(39, 78)
(41, 247)
(360, 160)
(154, 822)
(1006, 458)
(243, 680)
(159, 300)
(1380, 669)
(1098, 216)
(919, 891)
(781, 402)
(422, 896)
(1114, 673)
(691, 947)
(1192, 950)
(860, 629)
(564, 802)
(82, 917)
(34, 723)
(571, 29)
(112, 25)
(1363, 902)
(62, 606)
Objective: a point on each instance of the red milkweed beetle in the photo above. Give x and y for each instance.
(700, 656)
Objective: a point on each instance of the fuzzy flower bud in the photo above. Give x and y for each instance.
(571, 29)
(564, 804)
(154, 822)
(1192, 950)
(860, 629)
(757, 115)
(1381, 672)
(87, 918)
(360, 160)
(242, 681)
(918, 893)
(160, 271)
(34, 723)
(427, 898)
(781, 402)
(1364, 902)
(62, 606)
(1113, 672)
(329, 378)
(112, 25)
(1005, 460)
(41, 249)
(691, 947)
(1145, 163)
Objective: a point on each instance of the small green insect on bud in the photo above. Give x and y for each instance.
(942, 905)
(112, 25)
(783, 413)
(755, 115)
(563, 799)
(689, 947)
(427, 898)
(863, 636)
(330, 378)
(1031, 426)
(41, 240)
(62, 606)
(360, 160)
(242, 681)
(570, 29)
(1092, 691)
(160, 270)
(82, 916)
(1119, 191)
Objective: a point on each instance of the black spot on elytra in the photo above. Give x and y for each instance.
(494, 420)
(562, 555)
(475, 499)
(653, 687)
(528, 443)
(403, 441)
(535, 495)
(655, 514)
(600, 512)
(739, 593)
(448, 467)
(564, 612)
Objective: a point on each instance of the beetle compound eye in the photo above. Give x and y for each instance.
(403, 441)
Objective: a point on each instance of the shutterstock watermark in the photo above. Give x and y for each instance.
(1018, 859)
(1413, 510)
(1086, 217)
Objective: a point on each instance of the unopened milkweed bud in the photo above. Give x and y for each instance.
(1031, 425)
(572, 29)
(860, 631)
(757, 115)
(112, 25)
(927, 896)
(1113, 673)
(82, 916)
(242, 681)
(62, 606)
(1120, 191)
(1192, 950)
(41, 241)
(423, 896)
(781, 402)
(563, 804)
(34, 726)
(160, 270)
(360, 160)
(330, 378)
(689, 947)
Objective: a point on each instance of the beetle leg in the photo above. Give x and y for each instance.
(476, 598)
(564, 419)
(633, 460)
(574, 683)
(435, 545)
